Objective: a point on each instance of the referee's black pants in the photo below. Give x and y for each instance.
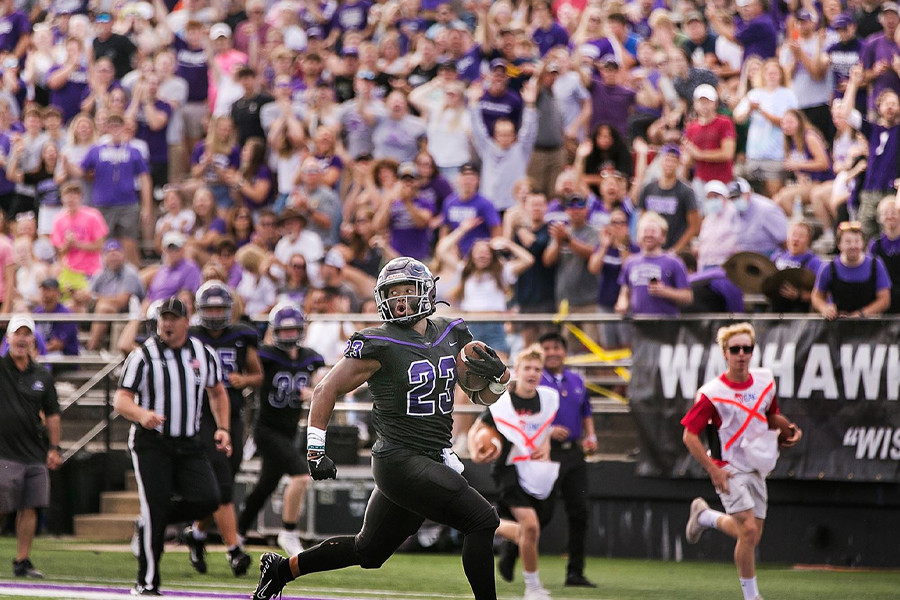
(572, 485)
(175, 484)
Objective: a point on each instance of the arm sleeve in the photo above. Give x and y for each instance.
(133, 373)
(823, 278)
(215, 367)
(882, 279)
(50, 401)
(361, 346)
(773, 407)
(701, 414)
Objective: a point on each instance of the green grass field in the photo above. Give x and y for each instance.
(440, 577)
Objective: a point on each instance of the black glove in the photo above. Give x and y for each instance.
(488, 366)
(320, 466)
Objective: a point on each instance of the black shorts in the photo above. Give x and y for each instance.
(513, 496)
(276, 448)
(224, 467)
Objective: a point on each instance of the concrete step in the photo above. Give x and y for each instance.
(130, 482)
(113, 528)
(120, 503)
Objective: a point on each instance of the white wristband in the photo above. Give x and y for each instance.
(498, 388)
(315, 438)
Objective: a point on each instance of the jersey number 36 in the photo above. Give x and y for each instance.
(425, 379)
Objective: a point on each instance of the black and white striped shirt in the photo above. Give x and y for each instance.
(171, 382)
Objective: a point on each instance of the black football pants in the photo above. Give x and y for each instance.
(412, 487)
(572, 484)
(175, 484)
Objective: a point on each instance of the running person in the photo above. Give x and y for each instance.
(734, 404)
(235, 345)
(409, 362)
(289, 370)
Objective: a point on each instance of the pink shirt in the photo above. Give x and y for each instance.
(6, 259)
(88, 225)
(226, 62)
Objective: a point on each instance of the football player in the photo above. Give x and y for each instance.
(409, 362)
(235, 345)
(289, 372)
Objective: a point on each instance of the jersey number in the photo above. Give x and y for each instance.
(287, 387)
(425, 378)
(228, 360)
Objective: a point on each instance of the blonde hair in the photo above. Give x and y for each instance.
(532, 352)
(652, 217)
(726, 333)
(887, 203)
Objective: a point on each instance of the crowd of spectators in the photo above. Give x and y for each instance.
(609, 154)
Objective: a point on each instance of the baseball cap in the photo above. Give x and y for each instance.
(111, 245)
(50, 283)
(469, 167)
(890, 6)
(334, 259)
(407, 170)
(17, 322)
(552, 67)
(671, 149)
(365, 75)
(173, 238)
(842, 21)
(693, 16)
(448, 65)
(103, 17)
(499, 63)
(315, 32)
(807, 15)
(575, 201)
(290, 213)
(738, 187)
(352, 51)
(608, 60)
(173, 306)
(219, 30)
(743, 3)
(704, 90)
(716, 187)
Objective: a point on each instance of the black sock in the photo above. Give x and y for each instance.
(288, 526)
(333, 553)
(478, 563)
(284, 571)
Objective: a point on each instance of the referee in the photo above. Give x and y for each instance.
(161, 390)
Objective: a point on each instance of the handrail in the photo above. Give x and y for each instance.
(90, 383)
(87, 437)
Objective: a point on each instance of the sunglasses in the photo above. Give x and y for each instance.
(738, 349)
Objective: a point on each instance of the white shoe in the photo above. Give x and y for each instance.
(290, 542)
(694, 529)
(537, 594)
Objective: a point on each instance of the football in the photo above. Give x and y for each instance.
(783, 425)
(469, 381)
(487, 437)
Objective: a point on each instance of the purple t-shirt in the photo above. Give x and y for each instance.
(69, 96)
(115, 169)
(156, 140)
(719, 283)
(436, 191)
(507, 106)
(223, 161)
(235, 275)
(406, 238)
(192, 64)
(574, 401)
(468, 66)
(842, 56)
(456, 211)
(12, 27)
(783, 259)
(637, 273)
(858, 274)
(608, 292)
(263, 173)
(65, 332)
(884, 150)
(878, 48)
(6, 186)
(352, 17)
(168, 281)
(611, 105)
(759, 37)
(546, 40)
(888, 246)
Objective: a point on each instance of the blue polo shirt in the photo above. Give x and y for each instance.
(574, 402)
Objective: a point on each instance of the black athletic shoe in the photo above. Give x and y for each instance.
(269, 585)
(197, 550)
(239, 561)
(579, 580)
(24, 568)
(506, 564)
(140, 590)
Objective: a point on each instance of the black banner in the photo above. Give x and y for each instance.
(839, 381)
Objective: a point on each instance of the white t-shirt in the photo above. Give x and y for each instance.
(183, 221)
(448, 136)
(765, 140)
(482, 294)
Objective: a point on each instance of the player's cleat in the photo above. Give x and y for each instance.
(506, 564)
(196, 548)
(239, 561)
(579, 580)
(269, 585)
(140, 590)
(694, 529)
(24, 568)
(290, 542)
(537, 594)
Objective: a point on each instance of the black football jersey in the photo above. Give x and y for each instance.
(284, 378)
(413, 390)
(231, 348)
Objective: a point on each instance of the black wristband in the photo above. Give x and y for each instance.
(57, 448)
